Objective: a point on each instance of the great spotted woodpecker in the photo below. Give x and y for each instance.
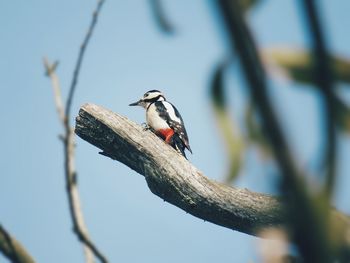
(165, 120)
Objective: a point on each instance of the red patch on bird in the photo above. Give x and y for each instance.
(166, 134)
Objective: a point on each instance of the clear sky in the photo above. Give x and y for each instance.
(126, 57)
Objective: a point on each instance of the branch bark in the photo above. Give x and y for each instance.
(12, 249)
(176, 180)
(172, 177)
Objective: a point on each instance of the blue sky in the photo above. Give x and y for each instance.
(126, 57)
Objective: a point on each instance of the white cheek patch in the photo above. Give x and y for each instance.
(152, 95)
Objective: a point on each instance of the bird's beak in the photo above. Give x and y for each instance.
(137, 103)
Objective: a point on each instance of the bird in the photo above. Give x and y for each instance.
(164, 120)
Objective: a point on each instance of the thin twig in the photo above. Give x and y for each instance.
(76, 213)
(12, 249)
(12, 255)
(72, 191)
(51, 72)
(81, 56)
(323, 76)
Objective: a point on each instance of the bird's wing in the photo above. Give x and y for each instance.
(173, 118)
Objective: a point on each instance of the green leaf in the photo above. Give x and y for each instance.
(248, 4)
(297, 64)
(160, 17)
(232, 140)
(254, 132)
(217, 86)
(343, 116)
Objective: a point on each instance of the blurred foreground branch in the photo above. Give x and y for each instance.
(323, 76)
(307, 213)
(12, 249)
(176, 180)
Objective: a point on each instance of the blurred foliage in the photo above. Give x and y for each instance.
(248, 4)
(254, 131)
(297, 64)
(309, 212)
(164, 24)
(217, 86)
(343, 116)
(161, 19)
(233, 142)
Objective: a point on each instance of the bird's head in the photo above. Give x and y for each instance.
(148, 98)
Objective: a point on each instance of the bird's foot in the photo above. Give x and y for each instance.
(146, 127)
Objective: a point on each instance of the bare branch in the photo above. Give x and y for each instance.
(174, 179)
(79, 225)
(81, 56)
(12, 249)
(51, 73)
(76, 213)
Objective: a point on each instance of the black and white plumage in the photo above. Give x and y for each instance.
(165, 120)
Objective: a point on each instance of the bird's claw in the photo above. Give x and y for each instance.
(145, 127)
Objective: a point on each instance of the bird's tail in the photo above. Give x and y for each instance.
(178, 145)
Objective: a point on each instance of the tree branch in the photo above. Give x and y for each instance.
(308, 222)
(176, 180)
(323, 76)
(79, 226)
(51, 73)
(81, 56)
(12, 249)
(172, 177)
